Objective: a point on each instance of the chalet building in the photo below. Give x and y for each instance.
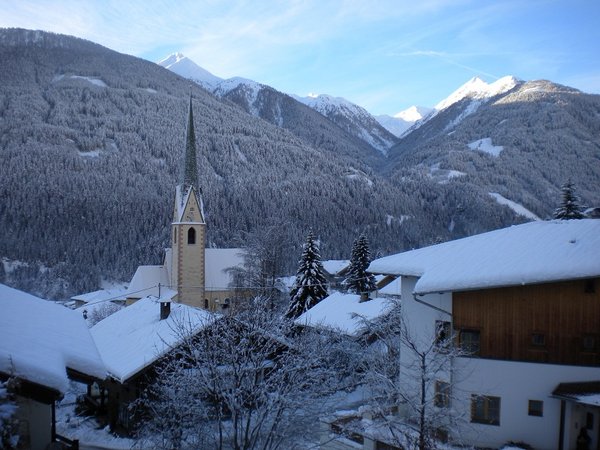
(196, 275)
(524, 305)
(132, 341)
(43, 346)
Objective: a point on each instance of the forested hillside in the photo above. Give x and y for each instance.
(522, 144)
(91, 143)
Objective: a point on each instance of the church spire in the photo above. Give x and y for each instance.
(190, 171)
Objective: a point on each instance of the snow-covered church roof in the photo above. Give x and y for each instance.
(133, 338)
(534, 252)
(40, 339)
(217, 261)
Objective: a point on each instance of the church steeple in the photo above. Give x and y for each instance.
(188, 229)
(190, 171)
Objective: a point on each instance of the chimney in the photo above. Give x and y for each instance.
(165, 310)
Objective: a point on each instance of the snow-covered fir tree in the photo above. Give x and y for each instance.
(569, 207)
(359, 281)
(310, 285)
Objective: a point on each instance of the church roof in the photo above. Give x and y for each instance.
(217, 261)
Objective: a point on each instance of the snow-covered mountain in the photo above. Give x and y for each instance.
(352, 118)
(477, 89)
(249, 94)
(402, 121)
(518, 140)
(473, 93)
(185, 67)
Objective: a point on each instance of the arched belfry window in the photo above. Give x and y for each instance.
(192, 235)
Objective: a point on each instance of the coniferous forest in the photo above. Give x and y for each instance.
(92, 141)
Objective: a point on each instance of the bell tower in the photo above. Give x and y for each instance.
(188, 229)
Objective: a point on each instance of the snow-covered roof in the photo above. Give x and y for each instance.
(39, 339)
(182, 197)
(135, 337)
(335, 266)
(392, 288)
(343, 312)
(535, 252)
(101, 295)
(145, 281)
(586, 393)
(217, 261)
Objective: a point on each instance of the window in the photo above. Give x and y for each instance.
(470, 341)
(205, 303)
(536, 408)
(175, 236)
(590, 343)
(191, 236)
(442, 394)
(485, 409)
(589, 420)
(538, 340)
(590, 287)
(443, 332)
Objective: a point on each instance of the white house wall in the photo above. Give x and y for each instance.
(420, 317)
(516, 383)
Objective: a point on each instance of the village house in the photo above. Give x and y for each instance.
(524, 305)
(133, 340)
(43, 346)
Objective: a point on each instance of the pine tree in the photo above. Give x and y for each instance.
(359, 280)
(310, 286)
(569, 207)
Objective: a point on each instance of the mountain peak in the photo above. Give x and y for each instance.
(186, 68)
(413, 113)
(477, 88)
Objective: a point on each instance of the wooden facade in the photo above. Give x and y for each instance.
(555, 323)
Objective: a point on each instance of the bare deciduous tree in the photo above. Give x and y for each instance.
(245, 382)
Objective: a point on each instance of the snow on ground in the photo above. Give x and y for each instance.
(39, 339)
(90, 154)
(94, 81)
(534, 252)
(389, 219)
(443, 175)
(516, 207)
(85, 429)
(359, 175)
(343, 312)
(485, 145)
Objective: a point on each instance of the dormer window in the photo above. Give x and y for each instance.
(191, 237)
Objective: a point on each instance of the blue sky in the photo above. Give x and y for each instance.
(383, 55)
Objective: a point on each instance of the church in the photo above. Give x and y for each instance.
(191, 273)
